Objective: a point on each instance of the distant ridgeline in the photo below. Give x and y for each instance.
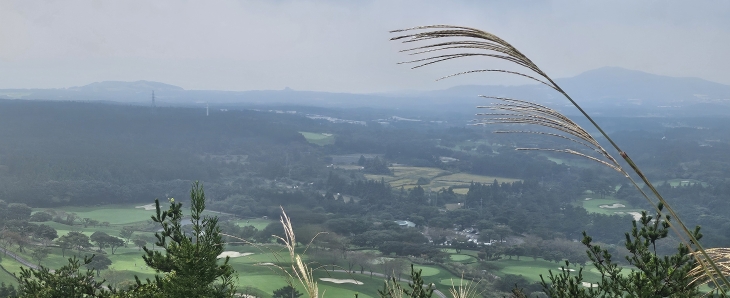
(603, 91)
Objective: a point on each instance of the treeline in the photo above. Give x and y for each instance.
(349, 207)
(90, 153)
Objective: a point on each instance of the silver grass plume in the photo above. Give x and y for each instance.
(721, 258)
(514, 111)
(477, 43)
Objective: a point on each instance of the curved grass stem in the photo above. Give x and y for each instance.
(530, 113)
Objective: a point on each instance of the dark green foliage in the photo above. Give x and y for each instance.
(40, 217)
(18, 211)
(268, 233)
(189, 260)
(126, 233)
(377, 166)
(654, 276)
(286, 292)
(68, 282)
(104, 240)
(46, 233)
(98, 263)
(8, 291)
(39, 253)
(508, 282)
(416, 287)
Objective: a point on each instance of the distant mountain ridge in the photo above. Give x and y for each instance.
(117, 86)
(604, 90)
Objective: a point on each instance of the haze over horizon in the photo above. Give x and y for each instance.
(341, 46)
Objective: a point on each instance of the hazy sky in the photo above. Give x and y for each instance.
(343, 45)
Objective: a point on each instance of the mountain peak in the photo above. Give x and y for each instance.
(136, 86)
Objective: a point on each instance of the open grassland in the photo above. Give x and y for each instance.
(320, 139)
(11, 265)
(462, 258)
(256, 275)
(260, 272)
(609, 206)
(531, 269)
(442, 279)
(407, 177)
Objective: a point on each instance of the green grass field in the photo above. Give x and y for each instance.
(407, 177)
(594, 205)
(320, 139)
(253, 276)
(531, 269)
(11, 265)
(462, 258)
(255, 273)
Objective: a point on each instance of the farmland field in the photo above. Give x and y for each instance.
(320, 139)
(408, 178)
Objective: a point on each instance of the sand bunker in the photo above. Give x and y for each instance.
(589, 285)
(147, 207)
(587, 199)
(635, 215)
(341, 281)
(233, 254)
(614, 205)
(571, 270)
(265, 264)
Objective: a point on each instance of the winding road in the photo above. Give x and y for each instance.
(19, 259)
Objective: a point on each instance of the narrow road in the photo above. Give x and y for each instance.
(437, 292)
(19, 259)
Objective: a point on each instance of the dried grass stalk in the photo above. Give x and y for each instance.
(477, 43)
(465, 289)
(301, 270)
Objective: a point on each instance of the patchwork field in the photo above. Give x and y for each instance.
(320, 139)
(408, 178)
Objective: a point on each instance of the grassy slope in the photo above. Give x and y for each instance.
(11, 265)
(318, 138)
(129, 260)
(532, 269)
(593, 205)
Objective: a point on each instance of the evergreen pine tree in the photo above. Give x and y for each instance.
(190, 261)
